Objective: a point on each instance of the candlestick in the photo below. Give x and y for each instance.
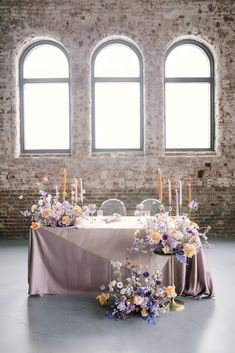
(76, 189)
(189, 193)
(177, 202)
(169, 191)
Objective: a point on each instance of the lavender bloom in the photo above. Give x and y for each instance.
(193, 205)
(146, 274)
(42, 193)
(26, 213)
(152, 319)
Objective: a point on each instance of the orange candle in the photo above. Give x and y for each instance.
(169, 191)
(189, 193)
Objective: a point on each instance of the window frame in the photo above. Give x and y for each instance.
(210, 80)
(138, 79)
(23, 80)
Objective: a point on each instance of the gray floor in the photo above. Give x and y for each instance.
(76, 323)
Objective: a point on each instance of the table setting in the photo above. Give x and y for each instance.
(73, 246)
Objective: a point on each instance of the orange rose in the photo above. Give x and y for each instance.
(170, 291)
(35, 225)
(189, 250)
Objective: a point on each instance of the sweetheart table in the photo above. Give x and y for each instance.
(78, 259)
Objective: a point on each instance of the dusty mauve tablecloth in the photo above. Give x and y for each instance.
(71, 260)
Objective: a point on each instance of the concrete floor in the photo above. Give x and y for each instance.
(76, 323)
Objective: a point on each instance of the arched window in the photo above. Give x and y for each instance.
(189, 97)
(44, 98)
(117, 97)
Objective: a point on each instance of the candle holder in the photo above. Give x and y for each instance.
(176, 304)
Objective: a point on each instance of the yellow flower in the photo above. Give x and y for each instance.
(170, 291)
(194, 225)
(138, 300)
(77, 209)
(66, 220)
(144, 313)
(176, 234)
(166, 250)
(112, 283)
(45, 212)
(189, 250)
(103, 298)
(35, 225)
(156, 237)
(195, 239)
(33, 208)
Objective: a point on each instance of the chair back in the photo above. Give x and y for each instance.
(112, 206)
(152, 205)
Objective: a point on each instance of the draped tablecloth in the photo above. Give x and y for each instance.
(73, 260)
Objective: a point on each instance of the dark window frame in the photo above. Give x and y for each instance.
(23, 80)
(210, 80)
(139, 79)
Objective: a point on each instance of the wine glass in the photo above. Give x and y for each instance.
(92, 210)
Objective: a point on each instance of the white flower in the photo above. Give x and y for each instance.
(21, 197)
(102, 287)
(119, 285)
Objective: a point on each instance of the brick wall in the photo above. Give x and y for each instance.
(154, 26)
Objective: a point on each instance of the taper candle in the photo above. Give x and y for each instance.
(169, 191)
(64, 184)
(76, 189)
(180, 195)
(160, 184)
(189, 193)
(81, 190)
(177, 202)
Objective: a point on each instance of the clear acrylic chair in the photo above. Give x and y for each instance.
(154, 206)
(112, 206)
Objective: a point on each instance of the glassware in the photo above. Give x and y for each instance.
(92, 210)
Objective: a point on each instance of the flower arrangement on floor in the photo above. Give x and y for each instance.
(138, 293)
(51, 211)
(176, 235)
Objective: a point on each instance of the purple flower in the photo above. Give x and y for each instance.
(181, 258)
(193, 205)
(158, 282)
(111, 313)
(26, 213)
(152, 319)
(42, 193)
(165, 237)
(146, 274)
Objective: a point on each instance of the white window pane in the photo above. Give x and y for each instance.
(117, 60)
(46, 116)
(187, 115)
(187, 60)
(46, 61)
(117, 115)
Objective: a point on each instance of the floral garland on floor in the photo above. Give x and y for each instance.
(171, 235)
(139, 293)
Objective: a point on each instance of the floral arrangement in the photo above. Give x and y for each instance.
(139, 293)
(176, 235)
(50, 211)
